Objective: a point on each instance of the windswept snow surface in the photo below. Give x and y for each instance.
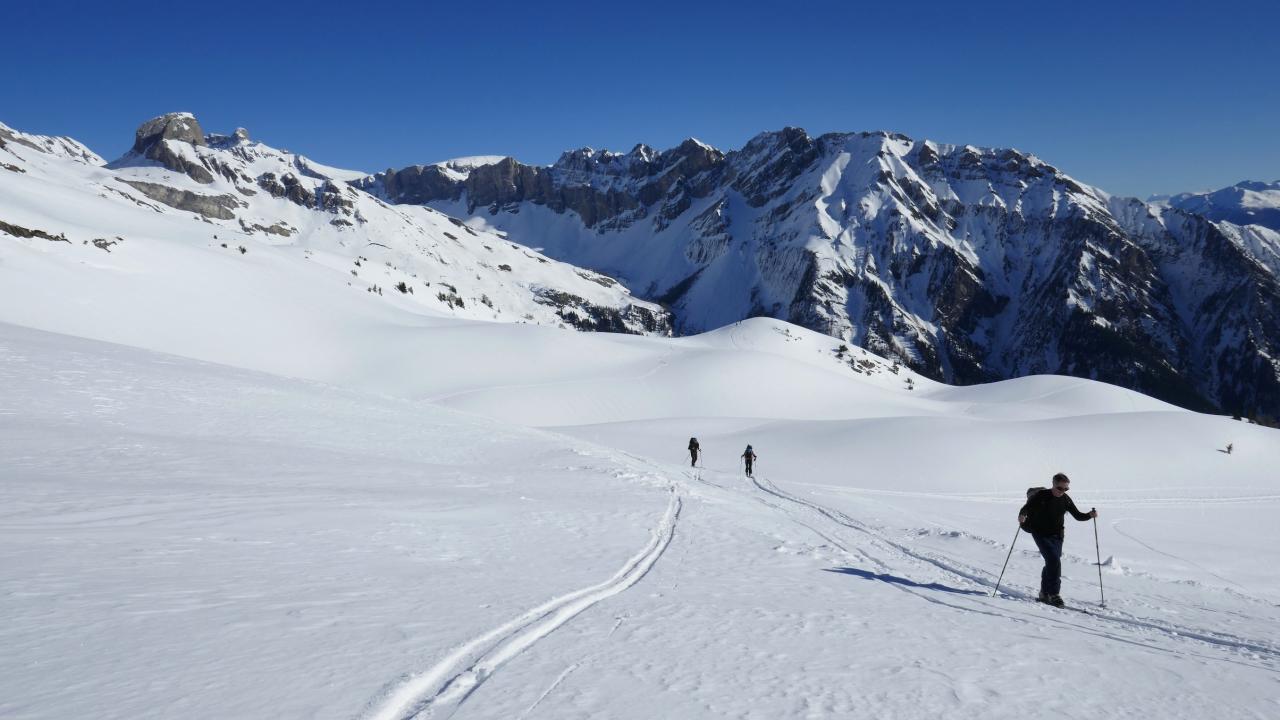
(445, 518)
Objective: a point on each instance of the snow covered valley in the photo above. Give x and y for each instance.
(351, 510)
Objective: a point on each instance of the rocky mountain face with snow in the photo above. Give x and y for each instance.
(1247, 212)
(229, 194)
(967, 264)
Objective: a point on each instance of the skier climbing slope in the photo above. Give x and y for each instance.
(1042, 516)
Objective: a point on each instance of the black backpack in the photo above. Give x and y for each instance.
(1031, 492)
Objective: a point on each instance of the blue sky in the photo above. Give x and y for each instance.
(1136, 98)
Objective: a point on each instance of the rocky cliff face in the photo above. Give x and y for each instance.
(161, 139)
(966, 263)
(606, 190)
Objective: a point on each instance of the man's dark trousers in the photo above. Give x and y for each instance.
(1051, 577)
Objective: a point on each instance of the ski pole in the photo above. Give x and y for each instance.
(1006, 560)
(1098, 554)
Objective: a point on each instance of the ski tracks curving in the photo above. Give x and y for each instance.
(442, 688)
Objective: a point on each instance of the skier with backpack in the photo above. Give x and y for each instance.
(749, 458)
(1043, 516)
(693, 452)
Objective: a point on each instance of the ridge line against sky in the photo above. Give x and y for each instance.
(1150, 97)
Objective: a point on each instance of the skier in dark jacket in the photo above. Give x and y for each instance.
(1043, 516)
(693, 452)
(749, 457)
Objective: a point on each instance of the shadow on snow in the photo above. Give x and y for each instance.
(894, 579)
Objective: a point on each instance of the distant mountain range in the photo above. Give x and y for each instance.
(1246, 203)
(966, 264)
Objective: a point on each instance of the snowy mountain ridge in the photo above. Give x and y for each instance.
(58, 146)
(181, 191)
(1250, 202)
(966, 263)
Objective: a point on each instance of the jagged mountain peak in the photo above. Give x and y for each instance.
(222, 142)
(692, 146)
(466, 164)
(785, 135)
(968, 263)
(178, 143)
(180, 126)
(588, 159)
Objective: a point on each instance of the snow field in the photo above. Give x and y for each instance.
(386, 540)
(190, 540)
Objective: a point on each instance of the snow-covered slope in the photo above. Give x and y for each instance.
(189, 223)
(966, 263)
(1246, 203)
(60, 146)
(1262, 243)
(192, 540)
(1248, 213)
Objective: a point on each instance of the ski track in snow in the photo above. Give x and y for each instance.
(1115, 525)
(444, 687)
(572, 667)
(1258, 650)
(551, 688)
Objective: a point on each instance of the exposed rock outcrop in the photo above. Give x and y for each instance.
(221, 207)
(628, 184)
(161, 140)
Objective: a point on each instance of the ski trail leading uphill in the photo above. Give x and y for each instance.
(447, 684)
(1259, 650)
